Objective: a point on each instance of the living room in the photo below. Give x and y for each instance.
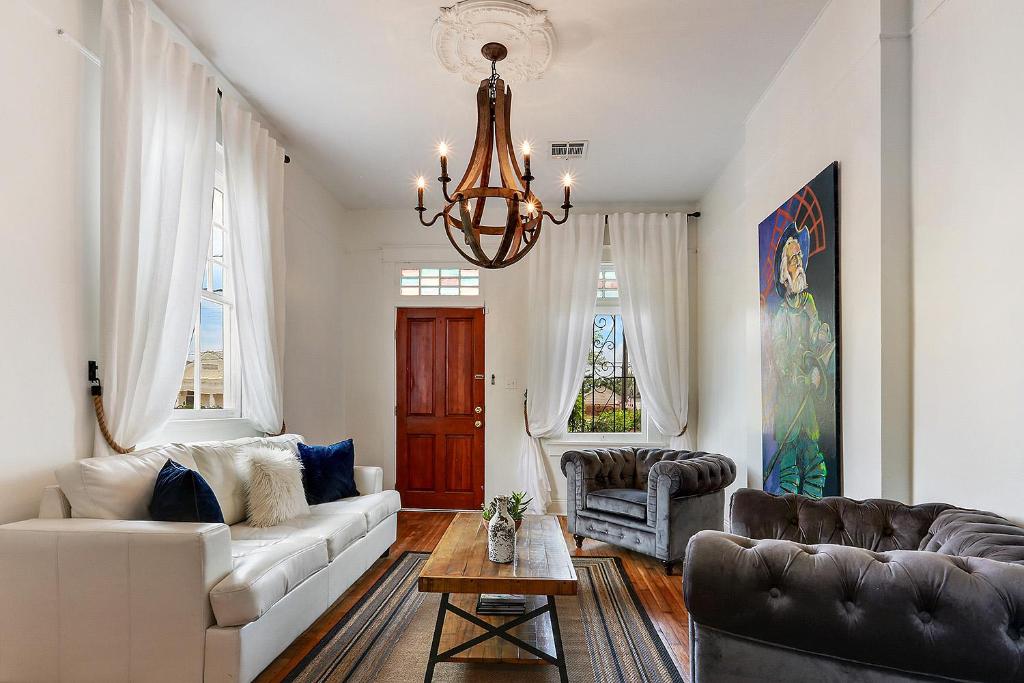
(715, 385)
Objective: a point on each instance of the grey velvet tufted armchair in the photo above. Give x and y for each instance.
(650, 500)
(839, 589)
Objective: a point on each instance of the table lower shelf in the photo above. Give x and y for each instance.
(536, 632)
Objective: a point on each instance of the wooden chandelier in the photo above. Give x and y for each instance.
(464, 208)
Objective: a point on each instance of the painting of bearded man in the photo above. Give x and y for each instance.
(799, 341)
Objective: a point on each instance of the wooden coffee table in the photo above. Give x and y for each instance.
(541, 570)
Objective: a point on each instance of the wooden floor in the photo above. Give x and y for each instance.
(661, 595)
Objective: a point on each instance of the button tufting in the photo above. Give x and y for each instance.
(1015, 633)
(925, 617)
(794, 520)
(774, 592)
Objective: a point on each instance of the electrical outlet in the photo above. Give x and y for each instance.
(511, 383)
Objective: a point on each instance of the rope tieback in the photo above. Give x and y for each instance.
(101, 420)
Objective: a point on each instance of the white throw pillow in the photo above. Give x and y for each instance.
(274, 492)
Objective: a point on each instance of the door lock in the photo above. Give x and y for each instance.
(478, 410)
(478, 424)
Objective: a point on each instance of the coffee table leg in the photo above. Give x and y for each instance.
(556, 635)
(438, 627)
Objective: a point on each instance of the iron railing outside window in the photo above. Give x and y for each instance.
(608, 400)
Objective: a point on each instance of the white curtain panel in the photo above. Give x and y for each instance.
(563, 297)
(649, 251)
(159, 133)
(254, 169)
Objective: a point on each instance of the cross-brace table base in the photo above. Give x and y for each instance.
(491, 631)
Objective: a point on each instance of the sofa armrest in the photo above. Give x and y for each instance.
(368, 479)
(130, 598)
(696, 476)
(908, 610)
(54, 504)
(580, 468)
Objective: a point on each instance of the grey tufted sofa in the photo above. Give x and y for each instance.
(869, 590)
(650, 500)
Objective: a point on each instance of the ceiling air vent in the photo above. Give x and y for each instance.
(576, 149)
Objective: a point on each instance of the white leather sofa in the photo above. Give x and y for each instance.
(95, 591)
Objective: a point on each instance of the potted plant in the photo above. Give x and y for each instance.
(518, 504)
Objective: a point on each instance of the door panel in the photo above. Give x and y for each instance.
(459, 367)
(440, 407)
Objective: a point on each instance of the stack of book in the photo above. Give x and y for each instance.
(502, 604)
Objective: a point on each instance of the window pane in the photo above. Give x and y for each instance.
(430, 272)
(217, 271)
(186, 393)
(449, 291)
(211, 369)
(410, 291)
(217, 243)
(410, 272)
(428, 291)
(430, 281)
(470, 272)
(470, 282)
(218, 207)
(410, 281)
(449, 272)
(608, 400)
(449, 282)
(470, 291)
(611, 294)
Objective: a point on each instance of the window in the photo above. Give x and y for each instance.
(440, 282)
(609, 401)
(209, 373)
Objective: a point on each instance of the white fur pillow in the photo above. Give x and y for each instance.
(274, 492)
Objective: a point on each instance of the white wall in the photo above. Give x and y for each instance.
(49, 197)
(825, 104)
(968, 174)
(48, 200)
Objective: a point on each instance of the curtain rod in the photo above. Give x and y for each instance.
(287, 159)
(695, 214)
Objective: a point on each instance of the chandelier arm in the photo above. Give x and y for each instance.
(432, 220)
(555, 220)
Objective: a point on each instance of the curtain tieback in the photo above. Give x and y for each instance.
(685, 427)
(284, 427)
(526, 419)
(101, 420)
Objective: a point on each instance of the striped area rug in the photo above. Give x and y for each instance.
(607, 636)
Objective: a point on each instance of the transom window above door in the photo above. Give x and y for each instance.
(440, 281)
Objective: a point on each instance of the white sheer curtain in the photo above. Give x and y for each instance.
(255, 218)
(158, 154)
(649, 251)
(563, 296)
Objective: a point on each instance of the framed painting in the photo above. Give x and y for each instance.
(798, 245)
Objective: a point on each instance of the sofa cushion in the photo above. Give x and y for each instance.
(375, 507)
(117, 486)
(218, 462)
(328, 472)
(972, 533)
(627, 502)
(263, 572)
(182, 495)
(339, 530)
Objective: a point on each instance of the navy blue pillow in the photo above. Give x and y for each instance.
(182, 495)
(328, 471)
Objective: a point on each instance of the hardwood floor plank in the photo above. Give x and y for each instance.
(661, 595)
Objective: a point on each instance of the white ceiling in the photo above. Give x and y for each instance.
(660, 88)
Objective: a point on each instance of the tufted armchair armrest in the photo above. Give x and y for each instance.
(915, 611)
(704, 473)
(874, 524)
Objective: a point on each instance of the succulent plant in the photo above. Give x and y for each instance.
(518, 504)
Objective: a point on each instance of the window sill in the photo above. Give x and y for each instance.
(604, 440)
(202, 428)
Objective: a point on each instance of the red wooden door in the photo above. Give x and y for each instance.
(440, 412)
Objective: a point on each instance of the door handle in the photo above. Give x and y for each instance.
(478, 410)
(478, 424)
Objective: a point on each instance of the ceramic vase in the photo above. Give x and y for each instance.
(501, 533)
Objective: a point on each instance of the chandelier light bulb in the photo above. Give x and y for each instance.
(567, 180)
(421, 182)
(526, 148)
(442, 148)
(531, 208)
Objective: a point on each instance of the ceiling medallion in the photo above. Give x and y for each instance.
(524, 30)
(524, 212)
